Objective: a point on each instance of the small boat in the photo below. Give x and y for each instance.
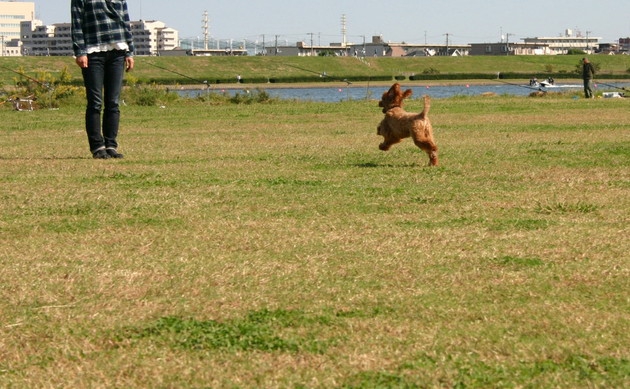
(617, 95)
(548, 83)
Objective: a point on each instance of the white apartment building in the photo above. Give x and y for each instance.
(569, 41)
(149, 37)
(22, 34)
(46, 40)
(11, 15)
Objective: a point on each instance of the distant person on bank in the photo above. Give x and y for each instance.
(103, 48)
(588, 72)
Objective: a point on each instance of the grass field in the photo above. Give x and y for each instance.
(274, 245)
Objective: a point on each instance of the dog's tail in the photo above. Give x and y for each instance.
(427, 107)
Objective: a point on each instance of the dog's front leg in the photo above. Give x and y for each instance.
(385, 131)
(383, 127)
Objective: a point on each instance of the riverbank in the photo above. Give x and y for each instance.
(278, 71)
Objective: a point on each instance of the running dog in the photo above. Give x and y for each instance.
(399, 124)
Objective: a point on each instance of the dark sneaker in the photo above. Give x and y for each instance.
(113, 153)
(100, 154)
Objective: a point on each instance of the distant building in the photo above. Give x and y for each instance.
(570, 41)
(150, 38)
(11, 15)
(376, 48)
(302, 49)
(42, 40)
(540, 45)
(12, 48)
(505, 48)
(217, 52)
(22, 34)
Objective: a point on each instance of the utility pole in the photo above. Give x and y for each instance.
(363, 52)
(447, 49)
(507, 43)
(588, 46)
(205, 30)
(264, 50)
(344, 30)
(312, 50)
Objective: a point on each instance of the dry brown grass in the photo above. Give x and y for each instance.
(326, 263)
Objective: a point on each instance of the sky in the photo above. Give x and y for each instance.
(410, 21)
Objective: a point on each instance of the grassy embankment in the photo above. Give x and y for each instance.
(273, 245)
(296, 69)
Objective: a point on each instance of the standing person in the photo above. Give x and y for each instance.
(103, 48)
(588, 71)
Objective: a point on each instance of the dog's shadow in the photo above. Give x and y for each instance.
(375, 165)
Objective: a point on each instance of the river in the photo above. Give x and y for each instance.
(350, 92)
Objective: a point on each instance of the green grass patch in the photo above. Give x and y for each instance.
(258, 331)
(464, 374)
(561, 207)
(519, 262)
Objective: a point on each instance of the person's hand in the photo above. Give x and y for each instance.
(82, 61)
(129, 63)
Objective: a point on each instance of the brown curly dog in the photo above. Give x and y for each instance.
(399, 124)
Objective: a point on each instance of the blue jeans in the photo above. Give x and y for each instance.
(103, 82)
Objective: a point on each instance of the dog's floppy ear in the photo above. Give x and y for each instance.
(407, 93)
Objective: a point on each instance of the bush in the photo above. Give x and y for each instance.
(575, 52)
(246, 96)
(48, 91)
(578, 66)
(148, 95)
(258, 96)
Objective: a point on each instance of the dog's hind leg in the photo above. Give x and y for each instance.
(431, 149)
(433, 158)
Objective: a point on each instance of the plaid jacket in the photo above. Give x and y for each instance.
(100, 23)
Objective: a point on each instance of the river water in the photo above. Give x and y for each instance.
(344, 93)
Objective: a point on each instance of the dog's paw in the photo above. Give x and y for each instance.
(433, 159)
(384, 146)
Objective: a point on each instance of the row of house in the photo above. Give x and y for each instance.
(22, 34)
(530, 46)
